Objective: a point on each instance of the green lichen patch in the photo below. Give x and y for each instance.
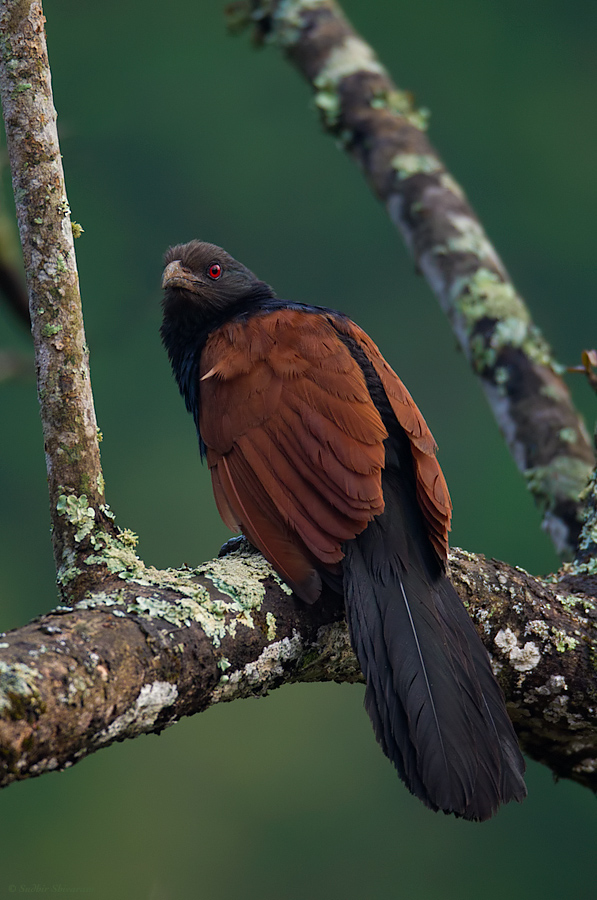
(484, 295)
(240, 575)
(448, 182)
(575, 602)
(193, 606)
(78, 513)
(76, 688)
(328, 101)
(238, 578)
(49, 330)
(116, 553)
(19, 694)
(270, 621)
(354, 55)
(400, 103)
(470, 239)
(408, 164)
(563, 641)
(282, 584)
(68, 570)
(568, 435)
(288, 20)
(538, 627)
(554, 391)
(564, 477)
(557, 637)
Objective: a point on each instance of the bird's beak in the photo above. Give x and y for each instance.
(175, 275)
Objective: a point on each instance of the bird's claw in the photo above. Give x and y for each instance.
(239, 542)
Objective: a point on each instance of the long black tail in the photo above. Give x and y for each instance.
(435, 705)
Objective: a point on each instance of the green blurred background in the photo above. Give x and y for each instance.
(170, 130)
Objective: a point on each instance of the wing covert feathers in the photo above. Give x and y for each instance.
(293, 437)
(432, 490)
(284, 402)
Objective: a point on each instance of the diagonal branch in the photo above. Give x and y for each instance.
(378, 126)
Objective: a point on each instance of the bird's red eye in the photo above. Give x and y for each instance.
(215, 270)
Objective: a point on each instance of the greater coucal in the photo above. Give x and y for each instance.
(319, 454)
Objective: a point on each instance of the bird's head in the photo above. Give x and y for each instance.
(206, 278)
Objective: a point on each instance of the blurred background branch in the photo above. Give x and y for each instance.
(379, 126)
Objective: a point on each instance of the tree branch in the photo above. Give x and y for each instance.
(75, 479)
(379, 127)
(146, 648)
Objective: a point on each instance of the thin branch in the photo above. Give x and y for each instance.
(76, 484)
(148, 647)
(378, 126)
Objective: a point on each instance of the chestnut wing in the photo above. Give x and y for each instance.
(294, 441)
(432, 491)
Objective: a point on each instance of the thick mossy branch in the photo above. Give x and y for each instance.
(380, 128)
(64, 387)
(150, 647)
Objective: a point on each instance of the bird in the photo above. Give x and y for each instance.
(319, 455)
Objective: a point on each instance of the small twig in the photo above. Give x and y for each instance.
(379, 127)
(588, 367)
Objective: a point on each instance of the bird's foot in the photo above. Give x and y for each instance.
(235, 543)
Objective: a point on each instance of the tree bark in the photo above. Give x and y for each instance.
(147, 647)
(75, 480)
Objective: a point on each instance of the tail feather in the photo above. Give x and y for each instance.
(382, 703)
(435, 705)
